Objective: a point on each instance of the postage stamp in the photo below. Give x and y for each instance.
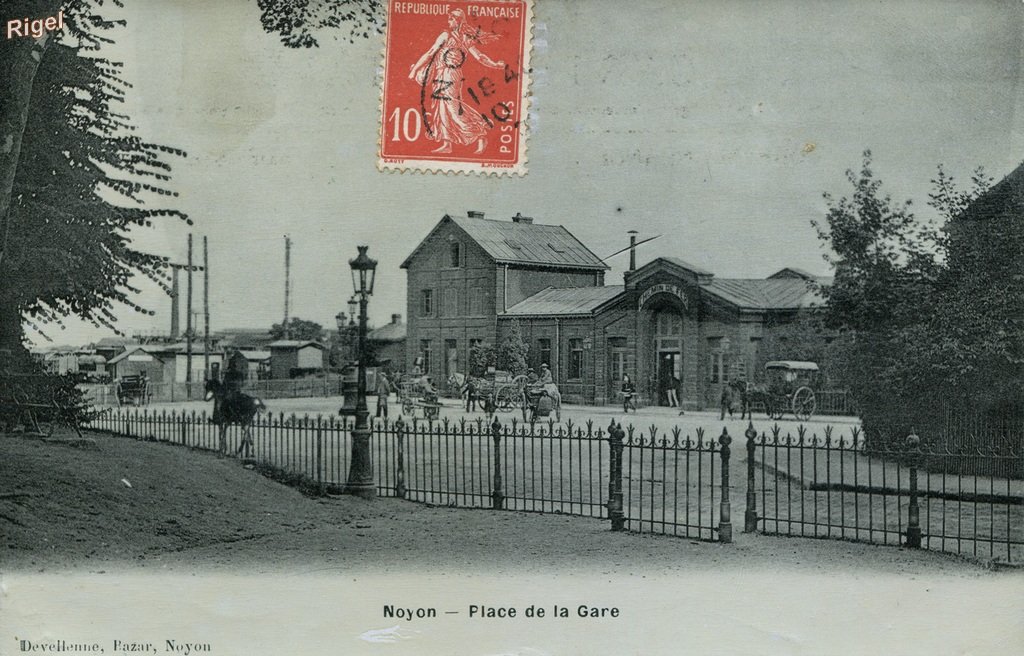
(456, 86)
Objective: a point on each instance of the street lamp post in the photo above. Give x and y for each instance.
(360, 473)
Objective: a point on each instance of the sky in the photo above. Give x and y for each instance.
(716, 125)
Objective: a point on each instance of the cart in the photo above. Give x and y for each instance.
(413, 396)
(498, 391)
(537, 403)
(791, 387)
(133, 390)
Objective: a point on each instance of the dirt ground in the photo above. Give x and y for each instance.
(119, 504)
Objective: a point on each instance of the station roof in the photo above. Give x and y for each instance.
(520, 241)
(767, 294)
(565, 301)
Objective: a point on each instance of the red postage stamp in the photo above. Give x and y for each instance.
(456, 85)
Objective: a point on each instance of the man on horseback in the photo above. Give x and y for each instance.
(230, 404)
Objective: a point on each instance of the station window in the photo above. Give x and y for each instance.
(544, 352)
(426, 302)
(575, 358)
(455, 255)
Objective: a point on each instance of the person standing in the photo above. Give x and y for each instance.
(383, 389)
(672, 391)
(726, 401)
(628, 392)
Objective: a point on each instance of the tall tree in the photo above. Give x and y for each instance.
(81, 182)
(298, 329)
(298, 22)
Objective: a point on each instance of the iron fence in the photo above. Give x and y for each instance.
(162, 392)
(670, 483)
(815, 486)
(643, 483)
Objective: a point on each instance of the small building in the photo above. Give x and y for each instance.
(257, 364)
(388, 343)
(290, 358)
(163, 363)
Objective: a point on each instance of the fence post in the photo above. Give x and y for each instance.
(725, 508)
(319, 450)
(615, 435)
(750, 515)
(498, 495)
(914, 512)
(400, 459)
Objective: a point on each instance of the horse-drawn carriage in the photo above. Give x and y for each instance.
(418, 393)
(134, 390)
(539, 401)
(500, 391)
(790, 386)
(497, 391)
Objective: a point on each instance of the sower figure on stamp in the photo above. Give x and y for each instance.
(440, 73)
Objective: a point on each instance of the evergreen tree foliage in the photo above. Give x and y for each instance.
(83, 182)
(513, 351)
(298, 21)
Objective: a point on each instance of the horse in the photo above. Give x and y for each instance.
(233, 407)
(751, 394)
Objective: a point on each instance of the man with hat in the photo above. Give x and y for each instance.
(545, 375)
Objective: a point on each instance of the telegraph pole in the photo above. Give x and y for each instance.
(287, 282)
(188, 317)
(206, 309)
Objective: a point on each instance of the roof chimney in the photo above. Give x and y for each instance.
(474, 214)
(519, 218)
(396, 318)
(632, 250)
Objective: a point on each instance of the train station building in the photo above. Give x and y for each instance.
(670, 324)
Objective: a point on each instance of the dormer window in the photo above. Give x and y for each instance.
(556, 248)
(514, 244)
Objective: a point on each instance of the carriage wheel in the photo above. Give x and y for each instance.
(431, 412)
(506, 399)
(407, 407)
(804, 403)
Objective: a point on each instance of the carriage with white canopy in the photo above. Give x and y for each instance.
(791, 387)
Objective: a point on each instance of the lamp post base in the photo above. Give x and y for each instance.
(364, 490)
(360, 474)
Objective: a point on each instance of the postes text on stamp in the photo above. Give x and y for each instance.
(456, 85)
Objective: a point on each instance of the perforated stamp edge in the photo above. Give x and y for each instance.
(434, 166)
